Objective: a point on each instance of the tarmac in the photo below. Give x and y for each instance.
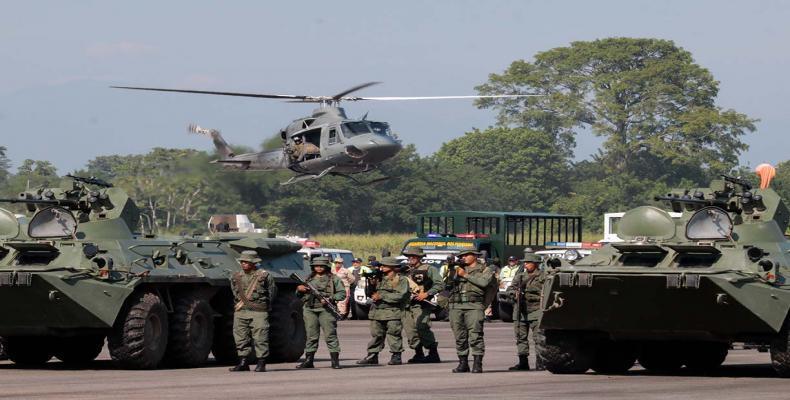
(746, 374)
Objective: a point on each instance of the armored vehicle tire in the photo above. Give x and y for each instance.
(287, 336)
(360, 311)
(28, 351)
(780, 351)
(565, 353)
(505, 312)
(79, 349)
(139, 338)
(704, 356)
(191, 332)
(661, 357)
(614, 358)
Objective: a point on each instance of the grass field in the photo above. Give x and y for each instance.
(366, 245)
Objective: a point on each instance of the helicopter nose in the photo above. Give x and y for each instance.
(380, 148)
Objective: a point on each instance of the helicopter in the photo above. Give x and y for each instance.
(327, 142)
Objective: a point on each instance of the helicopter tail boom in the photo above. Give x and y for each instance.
(219, 142)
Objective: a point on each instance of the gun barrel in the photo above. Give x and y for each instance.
(707, 202)
(56, 202)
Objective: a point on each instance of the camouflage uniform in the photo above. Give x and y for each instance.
(467, 312)
(385, 315)
(526, 309)
(254, 294)
(417, 316)
(316, 317)
(345, 276)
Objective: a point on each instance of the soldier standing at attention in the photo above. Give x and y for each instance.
(525, 291)
(347, 278)
(389, 301)
(426, 282)
(469, 285)
(254, 292)
(316, 317)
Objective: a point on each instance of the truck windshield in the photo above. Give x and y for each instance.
(351, 129)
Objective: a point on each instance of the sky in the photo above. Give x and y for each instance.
(58, 59)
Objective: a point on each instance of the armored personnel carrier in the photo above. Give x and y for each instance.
(677, 291)
(80, 271)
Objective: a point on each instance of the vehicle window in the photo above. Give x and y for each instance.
(347, 259)
(332, 136)
(380, 128)
(351, 129)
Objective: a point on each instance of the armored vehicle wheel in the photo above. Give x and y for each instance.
(780, 351)
(28, 351)
(661, 357)
(704, 356)
(360, 311)
(139, 338)
(614, 358)
(287, 336)
(79, 349)
(505, 312)
(191, 333)
(565, 353)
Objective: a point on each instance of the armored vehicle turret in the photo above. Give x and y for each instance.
(81, 270)
(677, 291)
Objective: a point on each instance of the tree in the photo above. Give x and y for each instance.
(5, 165)
(651, 102)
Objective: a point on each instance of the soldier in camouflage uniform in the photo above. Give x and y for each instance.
(389, 300)
(467, 308)
(254, 292)
(425, 283)
(525, 291)
(316, 317)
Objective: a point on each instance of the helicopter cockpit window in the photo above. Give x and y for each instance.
(709, 223)
(332, 136)
(52, 222)
(351, 129)
(380, 128)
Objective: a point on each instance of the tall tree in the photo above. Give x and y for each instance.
(653, 105)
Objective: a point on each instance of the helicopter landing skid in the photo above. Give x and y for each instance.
(361, 183)
(303, 177)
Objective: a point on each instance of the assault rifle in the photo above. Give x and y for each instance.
(90, 181)
(328, 303)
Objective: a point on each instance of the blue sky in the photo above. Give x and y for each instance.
(59, 57)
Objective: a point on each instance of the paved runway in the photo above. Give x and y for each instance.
(746, 374)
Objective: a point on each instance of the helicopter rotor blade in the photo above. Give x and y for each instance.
(497, 96)
(341, 95)
(256, 95)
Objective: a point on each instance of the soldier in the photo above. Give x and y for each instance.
(470, 281)
(300, 149)
(525, 291)
(389, 300)
(254, 292)
(316, 316)
(425, 283)
(347, 278)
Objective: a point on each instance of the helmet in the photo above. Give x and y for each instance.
(469, 251)
(320, 262)
(414, 251)
(297, 139)
(249, 256)
(532, 257)
(390, 262)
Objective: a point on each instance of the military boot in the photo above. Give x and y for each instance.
(523, 364)
(433, 354)
(371, 359)
(308, 361)
(261, 366)
(243, 365)
(419, 356)
(477, 364)
(463, 364)
(395, 359)
(335, 360)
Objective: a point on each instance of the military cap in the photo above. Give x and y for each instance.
(249, 256)
(320, 261)
(532, 257)
(469, 251)
(390, 262)
(338, 260)
(414, 251)
(359, 260)
(512, 258)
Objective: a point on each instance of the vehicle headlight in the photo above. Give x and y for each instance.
(571, 255)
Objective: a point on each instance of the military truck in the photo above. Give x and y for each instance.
(676, 291)
(82, 269)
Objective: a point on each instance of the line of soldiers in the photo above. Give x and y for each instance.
(400, 303)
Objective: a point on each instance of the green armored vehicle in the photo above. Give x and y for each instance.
(677, 291)
(79, 271)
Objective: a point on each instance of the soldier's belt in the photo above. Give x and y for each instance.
(461, 298)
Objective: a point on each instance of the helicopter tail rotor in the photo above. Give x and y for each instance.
(219, 142)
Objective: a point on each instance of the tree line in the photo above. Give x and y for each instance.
(652, 105)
